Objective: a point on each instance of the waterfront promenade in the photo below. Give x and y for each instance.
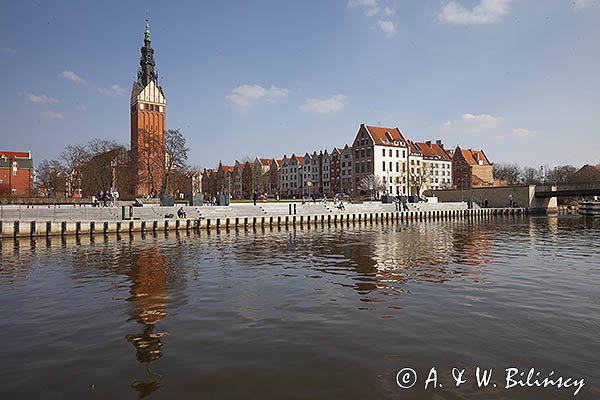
(23, 221)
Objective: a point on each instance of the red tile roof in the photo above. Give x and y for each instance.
(433, 151)
(386, 136)
(413, 148)
(14, 154)
(265, 161)
(474, 156)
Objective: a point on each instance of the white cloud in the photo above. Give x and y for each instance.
(389, 27)
(72, 76)
(371, 7)
(492, 126)
(52, 115)
(324, 106)
(525, 133)
(486, 12)
(7, 50)
(375, 7)
(114, 90)
(369, 12)
(474, 123)
(362, 3)
(41, 99)
(579, 5)
(246, 96)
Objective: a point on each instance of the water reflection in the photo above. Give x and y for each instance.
(470, 291)
(149, 287)
(376, 261)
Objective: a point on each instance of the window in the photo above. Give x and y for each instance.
(397, 153)
(147, 106)
(383, 152)
(369, 152)
(390, 152)
(383, 164)
(390, 167)
(362, 153)
(397, 167)
(368, 166)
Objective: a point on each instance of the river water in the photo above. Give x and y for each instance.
(319, 313)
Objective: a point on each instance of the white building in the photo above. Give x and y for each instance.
(437, 165)
(291, 176)
(381, 156)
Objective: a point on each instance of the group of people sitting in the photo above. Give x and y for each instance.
(105, 198)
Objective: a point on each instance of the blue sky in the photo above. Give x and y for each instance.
(244, 78)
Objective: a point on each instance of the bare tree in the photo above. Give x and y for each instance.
(176, 157)
(560, 174)
(510, 173)
(75, 156)
(531, 176)
(50, 175)
(371, 184)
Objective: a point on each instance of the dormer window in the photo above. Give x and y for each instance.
(389, 136)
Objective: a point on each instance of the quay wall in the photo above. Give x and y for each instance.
(498, 196)
(15, 229)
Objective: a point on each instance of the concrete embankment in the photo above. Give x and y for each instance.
(32, 228)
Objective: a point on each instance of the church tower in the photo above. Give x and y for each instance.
(148, 109)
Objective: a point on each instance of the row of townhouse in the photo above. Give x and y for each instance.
(379, 161)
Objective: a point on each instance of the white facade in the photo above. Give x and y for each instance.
(325, 172)
(390, 164)
(438, 174)
(290, 176)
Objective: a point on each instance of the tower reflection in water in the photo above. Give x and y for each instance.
(149, 299)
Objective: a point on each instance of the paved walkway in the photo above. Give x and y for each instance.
(88, 213)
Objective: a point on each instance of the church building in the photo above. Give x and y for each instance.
(148, 109)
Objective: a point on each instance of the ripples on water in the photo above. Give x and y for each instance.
(304, 313)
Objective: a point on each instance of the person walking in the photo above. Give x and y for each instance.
(255, 197)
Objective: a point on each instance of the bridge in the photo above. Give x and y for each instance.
(568, 190)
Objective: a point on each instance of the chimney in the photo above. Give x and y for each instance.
(439, 143)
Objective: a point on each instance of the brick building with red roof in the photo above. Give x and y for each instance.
(471, 168)
(16, 174)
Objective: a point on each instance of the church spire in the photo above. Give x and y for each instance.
(147, 32)
(147, 74)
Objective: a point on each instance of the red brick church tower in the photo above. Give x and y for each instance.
(148, 109)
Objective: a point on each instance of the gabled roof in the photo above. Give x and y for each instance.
(473, 157)
(265, 161)
(433, 151)
(386, 136)
(227, 168)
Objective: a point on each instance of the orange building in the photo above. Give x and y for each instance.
(16, 174)
(471, 168)
(148, 133)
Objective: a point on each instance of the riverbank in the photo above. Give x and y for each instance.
(32, 228)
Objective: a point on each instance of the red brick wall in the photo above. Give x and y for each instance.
(22, 182)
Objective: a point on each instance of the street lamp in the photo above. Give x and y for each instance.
(113, 165)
